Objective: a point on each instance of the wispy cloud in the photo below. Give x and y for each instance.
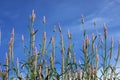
(12, 15)
(108, 13)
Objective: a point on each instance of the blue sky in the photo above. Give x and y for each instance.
(15, 13)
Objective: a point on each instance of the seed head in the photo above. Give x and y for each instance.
(87, 40)
(12, 37)
(94, 23)
(69, 34)
(105, 30)
(54, 30)
(44, 19)
(17, 63)
(44, 36)
(33, 16)
(52, 40)
(13, 31)
(59, 27)
(22, 38)
(82, 19)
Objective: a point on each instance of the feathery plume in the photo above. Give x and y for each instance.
(54, 30)
(69, 34)
(105, 31)
(44, 36)
(22, 38)
(33, 16)
(87, 41)
(12, 37)
(17, 63)
(59, 27)
(94, 23)
(82, 19)
(44, 19)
